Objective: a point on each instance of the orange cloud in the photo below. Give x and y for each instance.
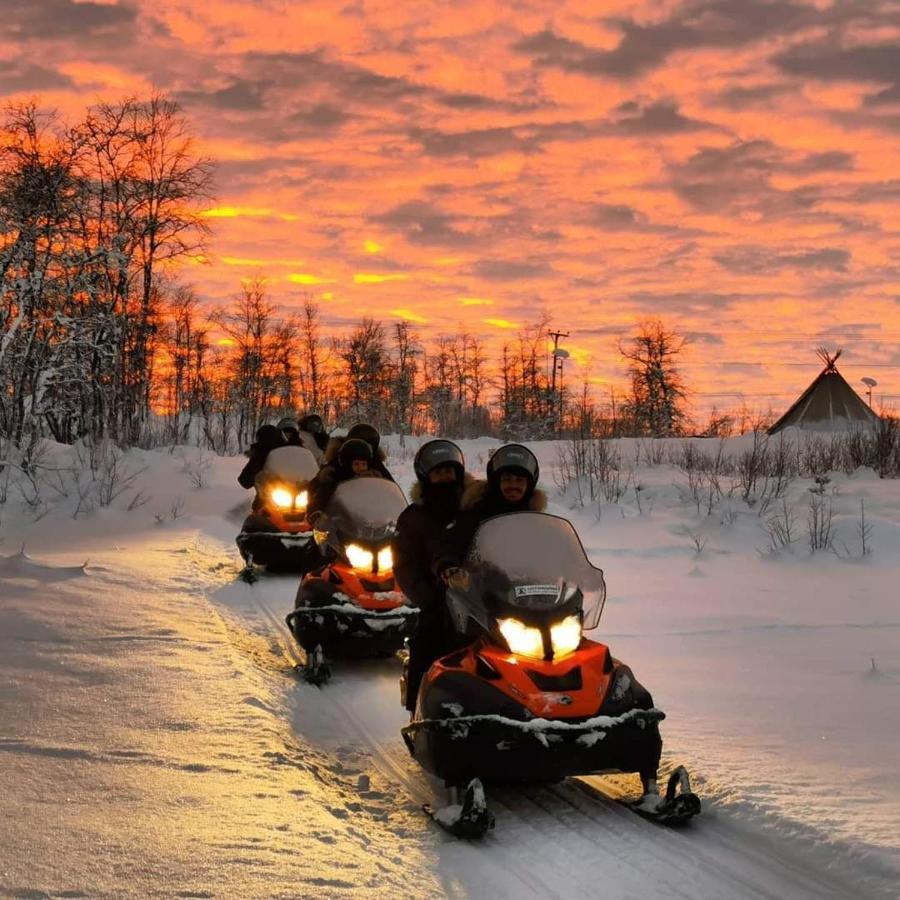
(409, 316)
(233, 212)
(306, 278)
(373, 278)
(737, 179)
(239, 261)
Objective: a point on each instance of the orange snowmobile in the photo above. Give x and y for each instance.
(351, 606)
(531, 699)
(277, 534)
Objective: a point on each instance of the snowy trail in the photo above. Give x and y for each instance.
(155, 741)
(144, 749)
(558, 840)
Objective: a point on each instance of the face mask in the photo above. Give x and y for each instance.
(444, 496)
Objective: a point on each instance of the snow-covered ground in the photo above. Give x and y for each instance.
(156, 742)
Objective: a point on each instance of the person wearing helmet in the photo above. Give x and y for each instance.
(511, 486)
(313, 425)
(369, 434)
(268, 437)
(440, 481)
(291, 431)
(354, 460)
(295, 436)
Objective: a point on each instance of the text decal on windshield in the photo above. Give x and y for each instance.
(529, 590)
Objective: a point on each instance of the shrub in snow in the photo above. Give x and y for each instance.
(781, 528)
(820, 523)
(197, 466)
(591, 468)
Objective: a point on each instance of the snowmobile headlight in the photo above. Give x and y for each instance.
(385, 560)
(282, 498)
(522, 639)
(359, 557)
(301, 501)
(565, 636)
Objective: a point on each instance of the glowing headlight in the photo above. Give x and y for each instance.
(282, 498)
(385, 560)
(521, 639)
(565, 636)
(301, 501)
(359, 557)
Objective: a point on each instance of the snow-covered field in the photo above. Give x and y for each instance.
(156, 741)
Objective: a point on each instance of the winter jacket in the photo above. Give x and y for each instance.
(420, 530)
(259, 453)
(480, 501)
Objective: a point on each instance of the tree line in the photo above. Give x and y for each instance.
(100, 339)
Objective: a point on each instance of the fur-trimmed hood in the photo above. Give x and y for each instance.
(334, 446)
(415, 491)
(477, 490)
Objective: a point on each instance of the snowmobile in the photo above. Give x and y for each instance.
(351, 606)
(277, 535)
(531, 699)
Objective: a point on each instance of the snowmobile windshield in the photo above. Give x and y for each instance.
(537, 562)
(291, 464)
(366, 508)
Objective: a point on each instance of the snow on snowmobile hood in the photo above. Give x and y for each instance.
(540, 560)
(291, 464)
(366, 507)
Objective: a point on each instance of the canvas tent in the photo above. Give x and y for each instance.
(828, 404)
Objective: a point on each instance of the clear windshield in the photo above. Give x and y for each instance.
(367, 507)
(543, 559)
(291, 464)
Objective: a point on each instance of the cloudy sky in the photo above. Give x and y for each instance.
(729, 165)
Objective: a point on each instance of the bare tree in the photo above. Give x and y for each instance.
(656, 404)
(366, 363)
(249, 325)
(147, 182)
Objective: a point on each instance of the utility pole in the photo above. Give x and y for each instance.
(559, 355)
(557, 360)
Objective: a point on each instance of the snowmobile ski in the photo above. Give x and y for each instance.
(248, 574)
(317, 671)
(678, 806)
(471, 819)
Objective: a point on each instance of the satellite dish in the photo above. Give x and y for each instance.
(869, 382)
(561, 353)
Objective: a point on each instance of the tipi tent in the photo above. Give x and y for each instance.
(828, 404)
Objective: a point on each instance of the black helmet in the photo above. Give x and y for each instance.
(269, 437)
(312, 423)
(353, 449)
(367, 433)
(516, 458)
(438, 453)
(288, 424)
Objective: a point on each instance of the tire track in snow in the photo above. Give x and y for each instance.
(506, 866)
(552, 841)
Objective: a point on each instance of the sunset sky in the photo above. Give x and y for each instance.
(731, 166)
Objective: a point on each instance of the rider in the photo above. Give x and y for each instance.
(313, 425)
(295, 436)
(511, 486)
(368, 433)
(440, 481)
(354, 460)
(268, 437)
